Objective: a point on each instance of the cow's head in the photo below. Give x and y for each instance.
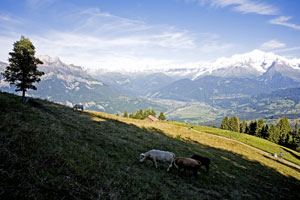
(142, 157)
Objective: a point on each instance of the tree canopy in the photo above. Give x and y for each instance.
(284, 129)
(140, 114)
(125, 114)
(161, 116)
(22, 69)
(225, 123)
(280, 133)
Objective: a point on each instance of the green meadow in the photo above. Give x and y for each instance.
(256, 142)
(49, 151)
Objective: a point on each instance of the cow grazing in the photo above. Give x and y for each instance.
(204, 160)
(188, 164)
(158, 155)
(77, 107)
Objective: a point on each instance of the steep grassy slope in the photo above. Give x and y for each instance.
(49, 151)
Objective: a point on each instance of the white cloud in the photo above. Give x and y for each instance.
(94, 39)
(8, 19)
(213, 46)
(117, 31)
(287, 49)
(283, 20)
(6, 44)
(91, 51)
(8, 25)
(243, 6)
(173, 40)
(272, 44)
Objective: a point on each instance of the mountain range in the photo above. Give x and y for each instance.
(242, 74)
(70, 85)
(226, 86)
(251, 64)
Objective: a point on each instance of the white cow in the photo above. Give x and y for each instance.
(158, 155)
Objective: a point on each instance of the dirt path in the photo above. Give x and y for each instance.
(256, 149)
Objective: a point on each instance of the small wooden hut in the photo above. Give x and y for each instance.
(151, 118)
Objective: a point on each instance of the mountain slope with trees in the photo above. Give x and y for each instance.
(280, 133)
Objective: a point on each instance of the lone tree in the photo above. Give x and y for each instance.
(22, 69)
(125, 113)
(161, 116)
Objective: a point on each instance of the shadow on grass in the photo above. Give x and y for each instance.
(77, 155)
(231, 175)
(281, 162)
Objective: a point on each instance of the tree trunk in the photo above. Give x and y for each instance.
(23, 96)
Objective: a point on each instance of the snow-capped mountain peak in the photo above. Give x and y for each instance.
(47, 60)
(55, 62)
(256, 59)
(253, 63)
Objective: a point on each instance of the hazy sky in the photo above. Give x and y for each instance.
(150, 33)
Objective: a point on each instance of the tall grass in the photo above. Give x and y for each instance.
(49, 151)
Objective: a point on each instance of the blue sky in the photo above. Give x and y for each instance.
(135, 34)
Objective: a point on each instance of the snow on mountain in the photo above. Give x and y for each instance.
(250, 64)
(2, 66)
(190, 73)
(71, 74)
(47, 60)
(256, 59)
(238, 76)
(2, 82)
(253, 63)
(56, 63)
(54, 68)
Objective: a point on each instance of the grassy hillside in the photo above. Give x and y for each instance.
(49, 151)
(251, 140)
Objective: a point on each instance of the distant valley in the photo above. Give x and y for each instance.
(252, 85)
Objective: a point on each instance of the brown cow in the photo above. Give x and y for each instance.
(188, 164)
(204, 160)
